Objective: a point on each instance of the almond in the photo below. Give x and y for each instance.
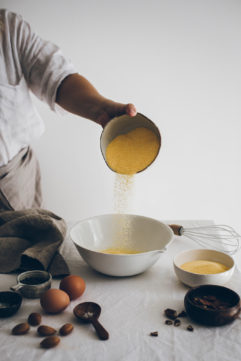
(46, 330)
(21, 329)
(34, 319)
(66, 329)
(49, 342)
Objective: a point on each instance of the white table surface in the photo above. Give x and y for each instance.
(132, 307)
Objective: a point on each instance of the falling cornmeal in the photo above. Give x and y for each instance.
(89, 312)
(129, 145)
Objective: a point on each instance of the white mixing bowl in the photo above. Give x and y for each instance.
(147, 236)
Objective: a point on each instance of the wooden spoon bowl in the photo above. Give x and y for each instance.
(89, 312)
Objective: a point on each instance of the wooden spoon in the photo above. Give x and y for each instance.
(90, 312)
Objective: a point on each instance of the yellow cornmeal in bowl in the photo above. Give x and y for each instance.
(132, 152)
(119, 251)
(204, 267)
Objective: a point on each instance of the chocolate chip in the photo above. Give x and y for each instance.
(177, 322)
(168, 322)
(155, 333)
(169, 313)
(190, 328)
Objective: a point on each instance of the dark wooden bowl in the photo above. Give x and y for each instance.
(212, 305)
(10, 302)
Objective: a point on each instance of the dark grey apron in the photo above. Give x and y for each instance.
(20, 182)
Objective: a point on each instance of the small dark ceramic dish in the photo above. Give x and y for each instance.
(212, 305)
(10, 303)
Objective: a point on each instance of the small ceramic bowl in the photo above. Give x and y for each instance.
(196, 279)
(31, 284)
(212, 305)
(10, 303)
(147, 236)
(124, 124)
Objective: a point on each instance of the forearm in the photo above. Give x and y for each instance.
(78, 96)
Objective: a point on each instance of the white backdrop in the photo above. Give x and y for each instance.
(179, 62)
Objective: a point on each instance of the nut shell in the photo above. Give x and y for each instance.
(34, 319)
(46, 330)
(66, 329)
(50, 341)
(21, 329)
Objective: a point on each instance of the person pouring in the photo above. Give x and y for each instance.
(30, 64)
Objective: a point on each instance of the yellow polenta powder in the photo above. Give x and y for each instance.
(204, 267)
(122, 235)
(132, 152)
(119, 251)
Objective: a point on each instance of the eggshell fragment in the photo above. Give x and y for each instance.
(54, 300)
(73, 285)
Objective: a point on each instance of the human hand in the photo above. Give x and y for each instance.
(111, 109)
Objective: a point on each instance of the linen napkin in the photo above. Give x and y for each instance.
(30, 239)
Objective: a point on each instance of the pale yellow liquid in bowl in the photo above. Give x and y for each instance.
(204, 267)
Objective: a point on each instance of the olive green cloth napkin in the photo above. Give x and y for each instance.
(30, 239)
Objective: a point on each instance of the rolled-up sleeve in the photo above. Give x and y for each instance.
(43, 64)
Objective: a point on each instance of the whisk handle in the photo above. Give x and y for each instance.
(178, 230)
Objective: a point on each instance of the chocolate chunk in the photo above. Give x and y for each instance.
(154, 333)
(190, 328)
(169, 313)
(177, 322)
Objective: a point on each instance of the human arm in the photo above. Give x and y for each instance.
(53, 78)
(78, 96)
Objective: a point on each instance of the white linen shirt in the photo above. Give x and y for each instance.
(27, 62)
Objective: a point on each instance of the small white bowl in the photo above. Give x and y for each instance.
(147, 236)
(196, 279)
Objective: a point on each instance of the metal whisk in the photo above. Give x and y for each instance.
(220, 237)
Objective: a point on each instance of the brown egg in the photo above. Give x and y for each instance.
(54, 300)
(73, 285)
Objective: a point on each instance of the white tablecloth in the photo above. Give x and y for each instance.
(132, 307)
